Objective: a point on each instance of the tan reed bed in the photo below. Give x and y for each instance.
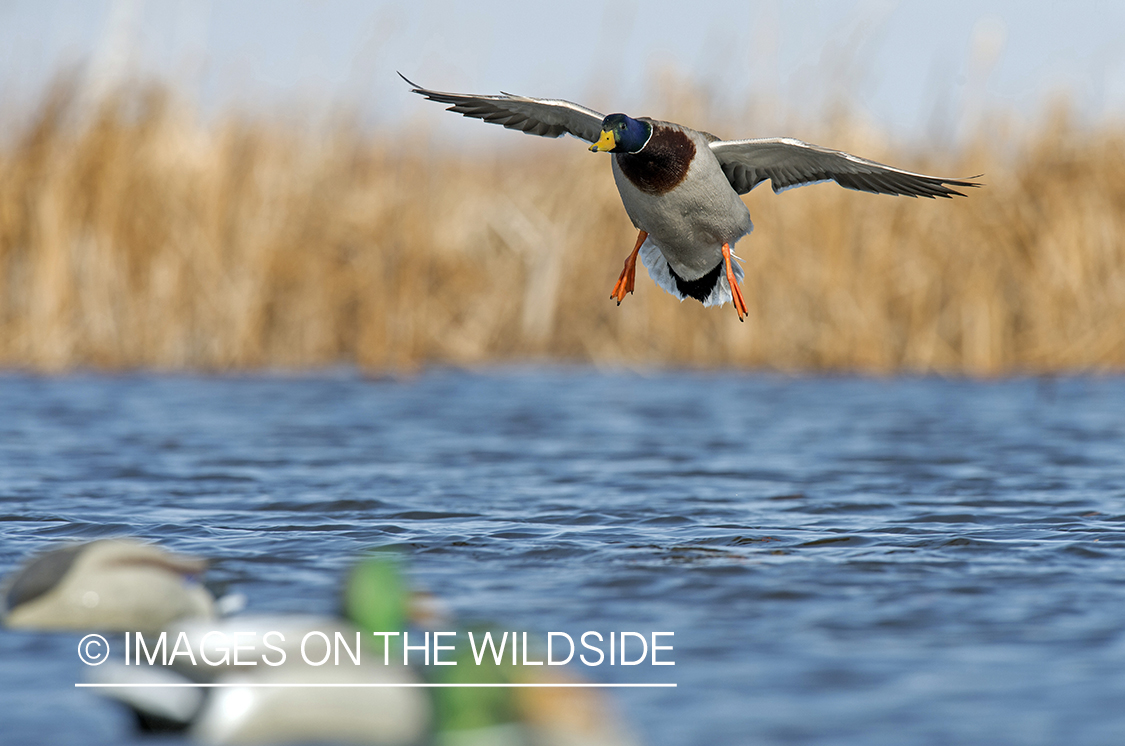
(132, 235)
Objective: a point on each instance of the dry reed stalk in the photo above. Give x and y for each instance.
(133, 236)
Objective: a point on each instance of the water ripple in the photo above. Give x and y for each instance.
(843, 561)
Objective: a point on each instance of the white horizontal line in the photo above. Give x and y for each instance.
(422, 685)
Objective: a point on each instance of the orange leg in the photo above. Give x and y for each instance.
(629, 274)
(735, 291)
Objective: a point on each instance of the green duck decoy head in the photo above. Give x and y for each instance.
(376, 597)
(622, 134)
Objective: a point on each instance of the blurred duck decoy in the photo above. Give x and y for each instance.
(110, 584)
(681, 187)
(377, 599)
(292, 702)
(266, 704)
(285, 700)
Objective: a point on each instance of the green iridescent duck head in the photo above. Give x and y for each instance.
(622, 134)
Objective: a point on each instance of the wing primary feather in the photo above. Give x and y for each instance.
(536, 116)
(789, 163)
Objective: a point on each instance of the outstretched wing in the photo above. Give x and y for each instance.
(536, 116)
(789, 163)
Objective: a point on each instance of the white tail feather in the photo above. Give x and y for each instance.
(661, 274)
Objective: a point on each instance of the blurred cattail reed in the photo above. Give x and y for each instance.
(133, 235)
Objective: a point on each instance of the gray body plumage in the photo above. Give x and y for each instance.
(689, 222)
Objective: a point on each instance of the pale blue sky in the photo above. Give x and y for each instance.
(914, 69)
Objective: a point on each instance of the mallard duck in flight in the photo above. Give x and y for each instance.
(681, 186)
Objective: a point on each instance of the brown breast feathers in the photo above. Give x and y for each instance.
(663, 162)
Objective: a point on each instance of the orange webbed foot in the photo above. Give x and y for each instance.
(735, 291)
(628, 276)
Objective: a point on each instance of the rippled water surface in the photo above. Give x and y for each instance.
(843, 561)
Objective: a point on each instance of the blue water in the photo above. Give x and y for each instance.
(843, 561)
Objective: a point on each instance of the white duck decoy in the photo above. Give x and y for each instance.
(681, 186)
(112, 585)
(378, 701)
(284, 700)
(272, 694)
